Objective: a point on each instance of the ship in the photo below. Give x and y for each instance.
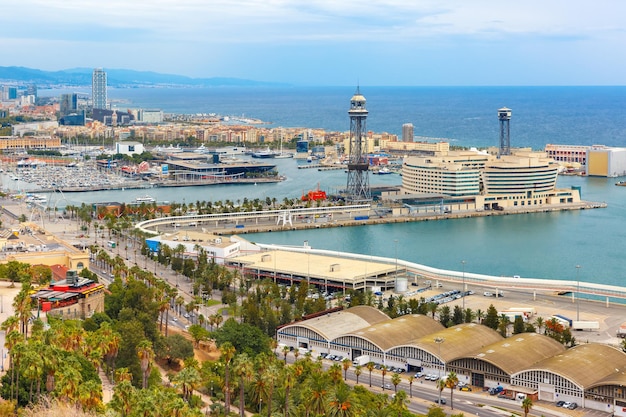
(145, 199)
(264, 154)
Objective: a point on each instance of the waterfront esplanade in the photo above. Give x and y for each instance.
(330, 273)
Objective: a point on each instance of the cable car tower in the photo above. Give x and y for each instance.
(504, 116)
(358, 188)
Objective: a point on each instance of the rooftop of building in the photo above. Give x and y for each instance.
(334, 325)
(193, 237)
(320, 267)
(519, 352)
(608, 364)
(398, 331)
(458, 341)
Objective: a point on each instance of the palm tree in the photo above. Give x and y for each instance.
(539, 323)
(383, 370)
(400, 402)
(411, 379)
(286, 350)
(342, 402)
(289, 378)
(527, 404)
(228, 352)
(395, 380)
(346, 365)
(242, 367)
(146, 356)
(480, 315)
(451, 381)
(318, 386)
(357, 371)
(441, 384)
(503, 325)
(188, 379)
(370, 367)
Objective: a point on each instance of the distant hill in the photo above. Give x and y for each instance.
(116, 78)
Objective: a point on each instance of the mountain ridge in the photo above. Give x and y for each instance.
(118, 78)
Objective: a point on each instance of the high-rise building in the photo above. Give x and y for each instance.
(99, 89)
(68, 104)
(407, 132)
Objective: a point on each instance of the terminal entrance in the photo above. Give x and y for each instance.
(478, 380)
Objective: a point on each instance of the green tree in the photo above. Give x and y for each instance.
(527, 404)
(491, 318)
(518, 325)
(244, 337)
(451, 382)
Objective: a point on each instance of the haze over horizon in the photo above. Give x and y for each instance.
(327, 42)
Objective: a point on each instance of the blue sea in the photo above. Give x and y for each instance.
(541, 245)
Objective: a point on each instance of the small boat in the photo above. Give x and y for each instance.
(264, 154)
(145, 199)
(383, 171)
(621, 183)
(201, 149)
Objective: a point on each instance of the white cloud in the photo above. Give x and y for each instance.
(238, 36)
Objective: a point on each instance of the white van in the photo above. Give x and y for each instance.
(520, 396)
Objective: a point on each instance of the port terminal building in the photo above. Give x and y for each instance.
(475, 180)
(592, 375)
(328, 273)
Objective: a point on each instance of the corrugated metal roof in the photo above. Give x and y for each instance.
(458, 341)
(519, 352)
(333, 325)
(399, 331)
(587, 365)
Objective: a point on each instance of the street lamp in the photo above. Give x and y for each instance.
(439, 341)
(577, 293)
(464, 288)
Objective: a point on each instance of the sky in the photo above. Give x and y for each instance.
(327, 42)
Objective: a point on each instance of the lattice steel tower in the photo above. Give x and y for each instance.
(358, 189)
(504, 116)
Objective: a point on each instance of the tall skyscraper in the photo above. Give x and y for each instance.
(68, 103)
(407, 132)
(99, 89)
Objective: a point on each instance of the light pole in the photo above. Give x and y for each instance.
(464, 289)
(439, 341)
(577, 293)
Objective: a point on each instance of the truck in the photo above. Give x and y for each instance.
(621, 331)
(361, 360)
(565, 321)
(585, 325)
(529, 312)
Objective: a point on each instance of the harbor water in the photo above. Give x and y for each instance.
(539, 245)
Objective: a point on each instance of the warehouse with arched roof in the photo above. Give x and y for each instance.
(494, 364)
(315, 334)
(592, 375)
(432, 351)
(376, 340)
(569, 375)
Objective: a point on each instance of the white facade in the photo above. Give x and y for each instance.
(150, 116)
(129, 148)
(217, 248)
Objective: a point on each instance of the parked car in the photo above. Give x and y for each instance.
(560, 403)
(465, 388)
